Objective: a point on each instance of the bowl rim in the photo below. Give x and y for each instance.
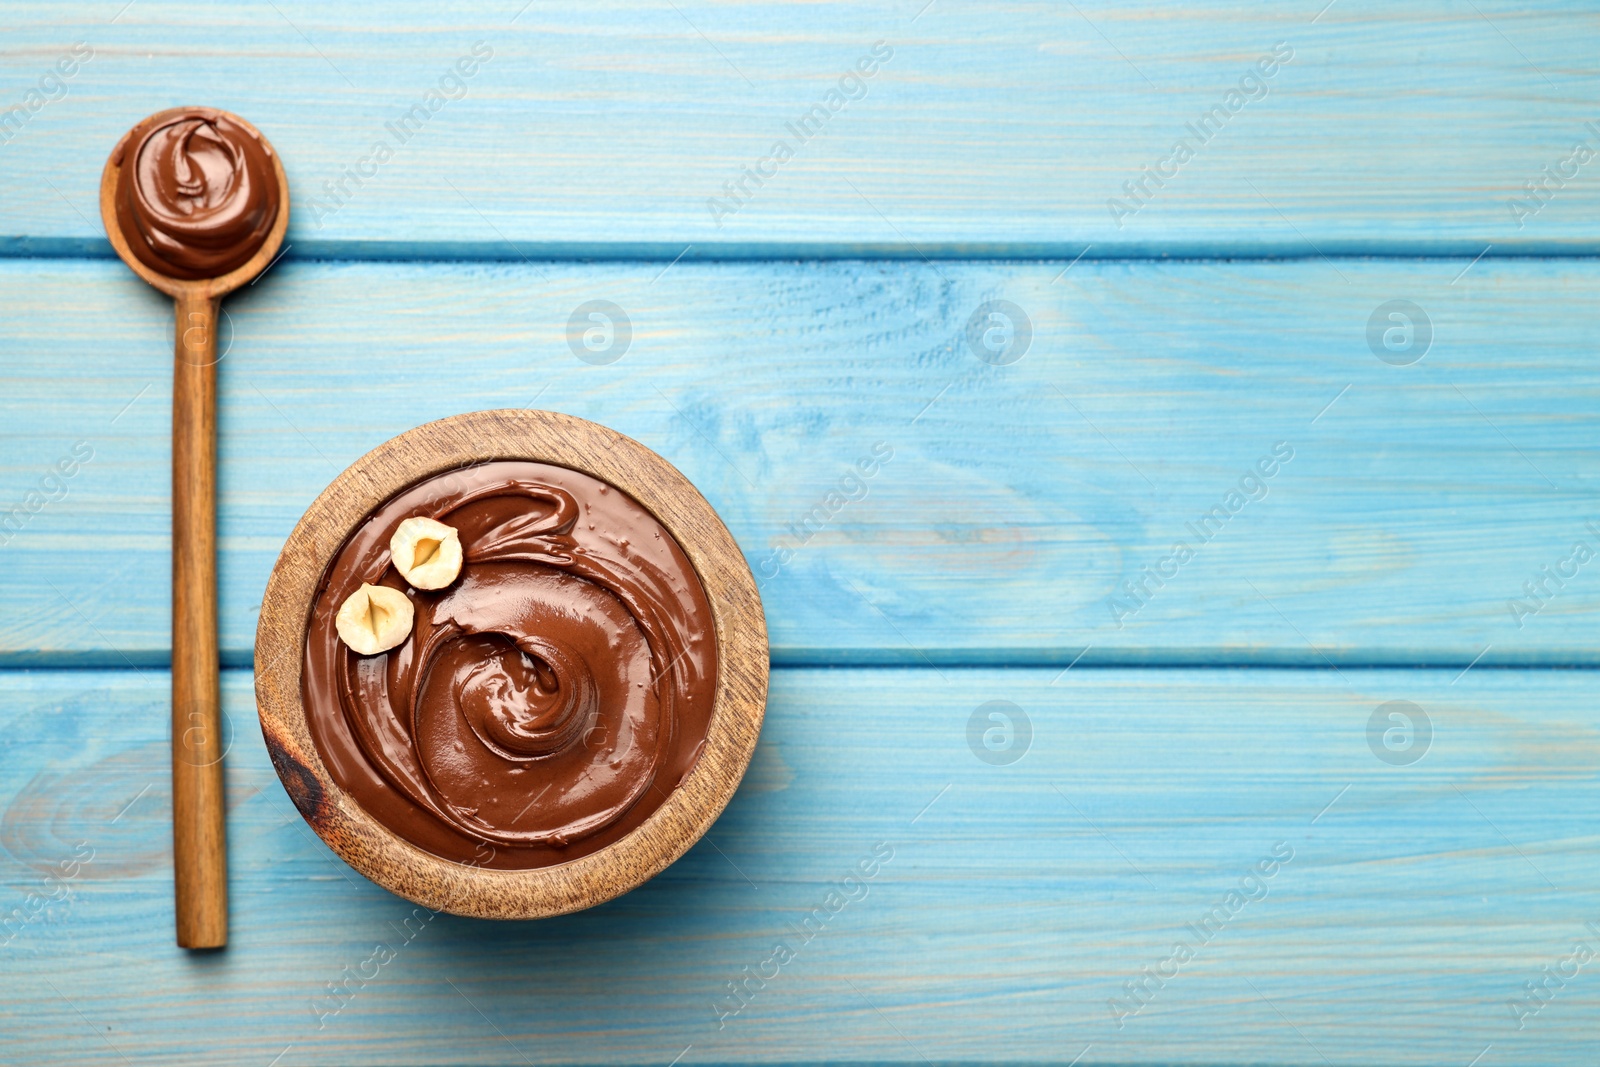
(467, 440)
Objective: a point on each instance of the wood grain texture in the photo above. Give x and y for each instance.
(1421, 900)
(199, 830)
(1018, 498)
(454, 444)
(605, 128)
(1018, 899)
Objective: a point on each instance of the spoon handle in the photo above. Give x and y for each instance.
(199, 843)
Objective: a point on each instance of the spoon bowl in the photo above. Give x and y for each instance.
(111, 184)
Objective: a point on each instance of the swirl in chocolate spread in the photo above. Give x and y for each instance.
(196, 194)
(548, 700)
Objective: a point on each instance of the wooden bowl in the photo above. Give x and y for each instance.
(450, 444)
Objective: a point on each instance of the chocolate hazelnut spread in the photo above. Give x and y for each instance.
(197, 193)
(548, 700)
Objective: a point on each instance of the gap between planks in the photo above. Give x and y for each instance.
(503, 251)
(855, 660)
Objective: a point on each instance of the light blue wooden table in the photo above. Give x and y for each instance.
(1200, 748)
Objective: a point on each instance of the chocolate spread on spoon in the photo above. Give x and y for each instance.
(548, 700)
(196, 194)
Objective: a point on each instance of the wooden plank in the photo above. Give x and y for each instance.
(1018, 900)
(1017, 500)
(606, 129)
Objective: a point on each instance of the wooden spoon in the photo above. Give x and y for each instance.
(186, 194)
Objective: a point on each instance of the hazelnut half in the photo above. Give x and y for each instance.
(427, 553)
(374, 619)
